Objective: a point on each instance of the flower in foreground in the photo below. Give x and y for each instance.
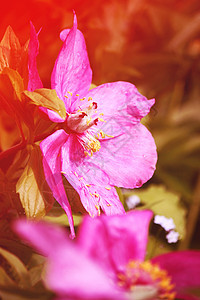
(106, 261)
(101, 143)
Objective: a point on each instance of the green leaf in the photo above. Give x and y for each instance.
(165, 203)
(63, 219)
(35, 195)
(120, 194)
(49, 99)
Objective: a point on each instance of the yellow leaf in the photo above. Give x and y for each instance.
(15, 80)
(10, 50)
(49, 99)
(165, 203)
(35, 195)
(14, 268)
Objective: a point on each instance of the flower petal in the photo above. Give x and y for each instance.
(88, 180)
(43, 236)
(51, 149)
(129, 159)
(72, 72)
(184, 269)
(69, 273)
(34, 81)
(121, 104)
(115, 240)
(72, 273)
(53, 116)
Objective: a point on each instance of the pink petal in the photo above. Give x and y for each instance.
(73, 273)
(44, 237)
(115, 240)
(129, 159)
(121, 105)
(51, 149)
(72, 72)
(184, 269)
(53, 116)
(88, 180)
(33, 50)
(69, 273)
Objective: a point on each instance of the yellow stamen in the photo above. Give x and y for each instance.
(111, 136)
(96, 195)
(160, 279)
(107, 188)
(102, 134)
(102, 120)
(69, 93)
(94, 145)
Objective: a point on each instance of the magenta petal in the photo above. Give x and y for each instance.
(51, 149)
(121, 105)
(44, 237)
(53, 116)
(34, 81)
(69, 272)
(72, 273)
(184, 269)
(91, 183)
(115, 240)
(72, 72)
(129, 159)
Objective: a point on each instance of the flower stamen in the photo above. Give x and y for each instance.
(146, 273)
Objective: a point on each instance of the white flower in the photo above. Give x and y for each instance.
(172, 236)
(132, 201)
(166, 223)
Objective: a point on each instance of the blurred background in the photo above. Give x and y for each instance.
(155, 44)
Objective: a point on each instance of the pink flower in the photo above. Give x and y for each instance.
(106, 261)
(101, 143)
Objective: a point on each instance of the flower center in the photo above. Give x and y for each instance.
(84, 118)
(146, 274)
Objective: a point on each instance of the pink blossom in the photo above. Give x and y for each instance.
(101, 143)
(106, 261)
